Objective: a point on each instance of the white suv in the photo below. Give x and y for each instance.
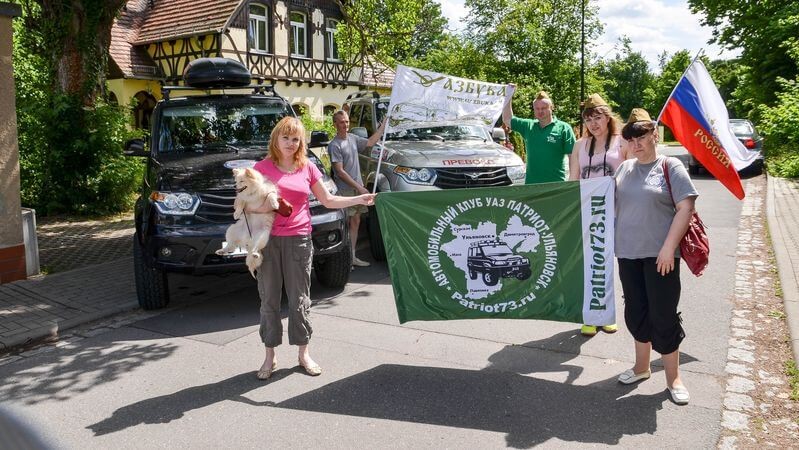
(442, 157)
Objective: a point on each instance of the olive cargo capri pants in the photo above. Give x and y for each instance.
(287, 262)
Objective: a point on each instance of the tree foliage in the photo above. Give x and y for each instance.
(388, 31)
(70, 140)
(628, 79)
(764, 31)
(767, 32)
(535, 44)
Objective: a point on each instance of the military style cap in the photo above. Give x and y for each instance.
(593, 101)
(542, 95)
(639, 115)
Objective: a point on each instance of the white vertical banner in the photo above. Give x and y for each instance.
(598, 216)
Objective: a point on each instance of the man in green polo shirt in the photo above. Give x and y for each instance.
(548, 141)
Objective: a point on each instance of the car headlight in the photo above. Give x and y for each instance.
(416, 176)
(175, 204)
(516, 172)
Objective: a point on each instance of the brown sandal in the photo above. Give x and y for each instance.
(266, 374)
(312, 370)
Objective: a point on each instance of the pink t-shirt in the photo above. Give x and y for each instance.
(294, 188)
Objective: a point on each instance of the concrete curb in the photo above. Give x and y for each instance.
(55, 328)
(779, 228)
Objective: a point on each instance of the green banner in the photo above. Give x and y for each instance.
(519, 252)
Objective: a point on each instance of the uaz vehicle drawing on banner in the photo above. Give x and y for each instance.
(186, 200)
(493, 259)
(463, 155)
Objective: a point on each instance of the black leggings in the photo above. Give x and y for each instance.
(650, 303)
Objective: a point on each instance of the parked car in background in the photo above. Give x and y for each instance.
(747, 134)
(464, 155)
(186, 198)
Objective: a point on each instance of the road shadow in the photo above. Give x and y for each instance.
(530, 411)
(562, 348)
(60, 374)
(166, 408)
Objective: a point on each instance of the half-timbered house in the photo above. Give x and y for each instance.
(289, 43)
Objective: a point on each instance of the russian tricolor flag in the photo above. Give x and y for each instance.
(698, 118)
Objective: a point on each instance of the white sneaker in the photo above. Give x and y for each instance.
(359, 262)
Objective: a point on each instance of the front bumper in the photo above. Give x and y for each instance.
(192, 249)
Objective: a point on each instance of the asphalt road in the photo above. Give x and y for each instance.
(185, 378)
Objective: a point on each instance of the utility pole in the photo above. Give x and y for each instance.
(582, 63)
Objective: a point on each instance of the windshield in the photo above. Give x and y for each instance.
(215, 126)
(497, 250)
(447, 133)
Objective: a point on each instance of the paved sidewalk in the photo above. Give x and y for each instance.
(89, 275)
(783, 220)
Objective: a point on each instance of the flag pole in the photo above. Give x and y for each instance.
(382, 149)
(663, 109)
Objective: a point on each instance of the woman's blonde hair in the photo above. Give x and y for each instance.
(614, 124)
(288, 126)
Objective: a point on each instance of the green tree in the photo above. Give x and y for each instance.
(535, 44)
(628, 79)
(388, 31)
(70, 140)
(764, 31)
(672, 68)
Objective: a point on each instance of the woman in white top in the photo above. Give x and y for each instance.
(598, 153)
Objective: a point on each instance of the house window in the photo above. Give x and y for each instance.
(328, 110)
(298, 37)
(257, 32)
(300, 109)
(332, 46)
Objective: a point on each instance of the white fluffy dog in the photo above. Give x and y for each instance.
(251, 231)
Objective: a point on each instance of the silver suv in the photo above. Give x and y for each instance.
(442, 157)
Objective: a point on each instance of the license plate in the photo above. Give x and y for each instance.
(238, 252)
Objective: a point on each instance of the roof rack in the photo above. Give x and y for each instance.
(262, 89)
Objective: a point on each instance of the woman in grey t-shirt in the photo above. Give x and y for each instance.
(649, 227)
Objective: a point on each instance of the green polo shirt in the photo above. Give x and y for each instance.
(546, 148)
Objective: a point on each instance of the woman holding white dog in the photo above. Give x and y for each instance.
(287, 256)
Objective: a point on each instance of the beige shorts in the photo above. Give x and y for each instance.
(352, 210)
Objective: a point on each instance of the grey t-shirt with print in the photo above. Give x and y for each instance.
(644, 210)
(346, 151)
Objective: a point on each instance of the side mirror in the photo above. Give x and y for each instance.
(135, 147)
(360, 131)
(319, 139)
(498, 134)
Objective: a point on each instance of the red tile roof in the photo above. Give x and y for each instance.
(131, 60)
(171, 19)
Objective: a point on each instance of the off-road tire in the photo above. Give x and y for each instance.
(376, 236)
(472, 274)
(152, 286)
(334, 271)
(490, 277)
(524, 274)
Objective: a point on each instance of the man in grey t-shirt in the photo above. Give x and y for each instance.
(343, 150)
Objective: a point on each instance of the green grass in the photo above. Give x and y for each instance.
(793, 378)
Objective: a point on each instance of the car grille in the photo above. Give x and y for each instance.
(216, 206)
(471, 177)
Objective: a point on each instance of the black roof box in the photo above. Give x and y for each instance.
(205, 73)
